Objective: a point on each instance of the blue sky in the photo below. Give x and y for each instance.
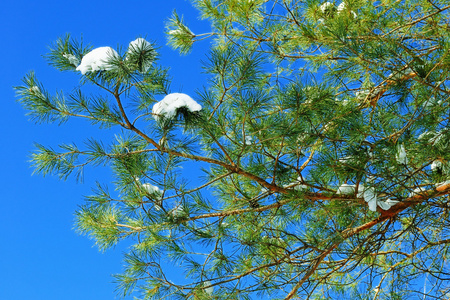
(41, 256)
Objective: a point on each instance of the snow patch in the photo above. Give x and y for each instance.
(368, 194)
(168, 106)
(35, 90)
(73, 60)
(140, 45)
(433, 137)
(387, 204)
(177, 211)
(325, 6)
(442, 183)
(152, 189)
(342, 7)
(371, 198)
(417, 191)
(362, 94)
(210, 289)
(423, 135)
(346, 189)
(401, 155)
(436, 165)
(432, 102)
(437, 137)
(345, 102)
(300, 187)
(175, 31)
(98, 59)
(296, 186)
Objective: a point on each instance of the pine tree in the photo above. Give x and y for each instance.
(322, 134)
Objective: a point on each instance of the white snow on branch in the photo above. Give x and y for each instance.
(168, 106)
(98, 59)
(431, 102)
(73, 60)
(326, 6)
(346, 189)
(209, 289)
(349, 160)
(344, 102)
(442, 183)
(36, 90)
(362, 94)
(300, 187)
(436, 165)
(387, 204)
(437, 137)
(296, 185)
(417, 191)
(371, 198)
(175, 31)
(139, 45)
(368, 194)
(401, 155)
(424, 135)
(434, 137)
(342, 7)
(177, 211)
(152, 189)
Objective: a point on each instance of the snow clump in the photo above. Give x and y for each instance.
(175, 31)
(431, 102)
(328, 9)
(36, 90)
(296, 185)
(210, 289)
(433, 137)
(401, 155)
(442, 183)
(346, 189)
(325, 6)
(98, 59)
(73, 60)
(151, 189)
(140, 45)
(341, 7)
(436, 165)
(177, 212)
(300, 187)
(368, 194)
(168, 106)
(388, 203)
(423, 135)
(362, 94)
(416, 191)
(437, 137)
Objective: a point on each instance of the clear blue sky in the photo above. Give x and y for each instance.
(41, 256)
